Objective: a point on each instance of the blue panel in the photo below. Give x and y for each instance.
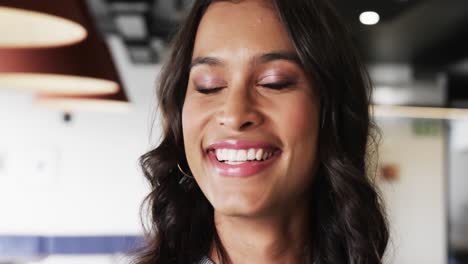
(20, 246)
(91, 245)
(29, 246)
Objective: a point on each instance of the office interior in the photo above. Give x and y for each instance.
(70, 182)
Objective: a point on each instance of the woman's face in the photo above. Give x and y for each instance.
(250, 116)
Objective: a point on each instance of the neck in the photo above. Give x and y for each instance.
(275, 238)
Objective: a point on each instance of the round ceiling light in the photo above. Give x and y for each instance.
(57, 83)
(44, 23)
(369, 18)
(25, 29)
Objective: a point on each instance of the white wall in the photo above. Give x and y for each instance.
(90, 181)
(416, 201)
(458, 184)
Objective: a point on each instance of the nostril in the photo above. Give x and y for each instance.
(246, 124)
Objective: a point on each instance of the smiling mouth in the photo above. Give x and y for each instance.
(239, 156)
(242, 162)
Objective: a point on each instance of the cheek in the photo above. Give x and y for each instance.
(194, 120)
(299, 127)
(300, 120)
(188, 122)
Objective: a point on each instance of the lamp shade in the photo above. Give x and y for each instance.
(43, 23)
(117, 102)
(86, 68)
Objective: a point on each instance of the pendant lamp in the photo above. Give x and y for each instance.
(85, 68)
(117, 102)
(80, 102)
(43, 23)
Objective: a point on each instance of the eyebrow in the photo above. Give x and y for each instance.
(262, 59)
(205, 61)
(279, 55)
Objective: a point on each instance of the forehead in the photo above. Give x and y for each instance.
(248, 26)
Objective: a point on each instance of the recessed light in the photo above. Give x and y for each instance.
(369, 18)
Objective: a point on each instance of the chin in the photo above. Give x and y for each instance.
(239, 207)
(236, 211)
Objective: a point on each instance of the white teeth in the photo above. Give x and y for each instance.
(236, 156)
(231, 155)
(219, 154)
(251, 154)
(259, 154)
(241, 155)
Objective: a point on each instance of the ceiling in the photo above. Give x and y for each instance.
(425, 33)
(429, 35)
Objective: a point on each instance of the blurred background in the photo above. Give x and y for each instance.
(77, 109)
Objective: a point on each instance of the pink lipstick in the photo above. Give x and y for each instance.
(242, 168)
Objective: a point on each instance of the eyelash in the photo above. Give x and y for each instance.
(204, 90)
(277, 86)
(274, 86)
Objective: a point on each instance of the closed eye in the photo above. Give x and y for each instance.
(205, 90)
(277, 86)
(274, 86)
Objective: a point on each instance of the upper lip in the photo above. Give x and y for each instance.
(240, 144)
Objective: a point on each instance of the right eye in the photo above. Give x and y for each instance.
(207, 90)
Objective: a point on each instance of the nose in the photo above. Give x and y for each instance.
(240, 111)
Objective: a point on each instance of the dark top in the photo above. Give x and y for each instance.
(205, 260)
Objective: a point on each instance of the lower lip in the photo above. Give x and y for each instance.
(245, 169)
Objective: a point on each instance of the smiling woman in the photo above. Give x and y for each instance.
(266, 124)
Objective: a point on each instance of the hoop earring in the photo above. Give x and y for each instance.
(185, 175)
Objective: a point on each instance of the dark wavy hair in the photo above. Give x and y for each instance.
(348, 222)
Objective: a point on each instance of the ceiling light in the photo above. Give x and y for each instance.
(369, 18)
(86, 68)
(117, 102)
(57, 83)
(44, 23)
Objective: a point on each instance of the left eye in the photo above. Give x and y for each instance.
(277, 86)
